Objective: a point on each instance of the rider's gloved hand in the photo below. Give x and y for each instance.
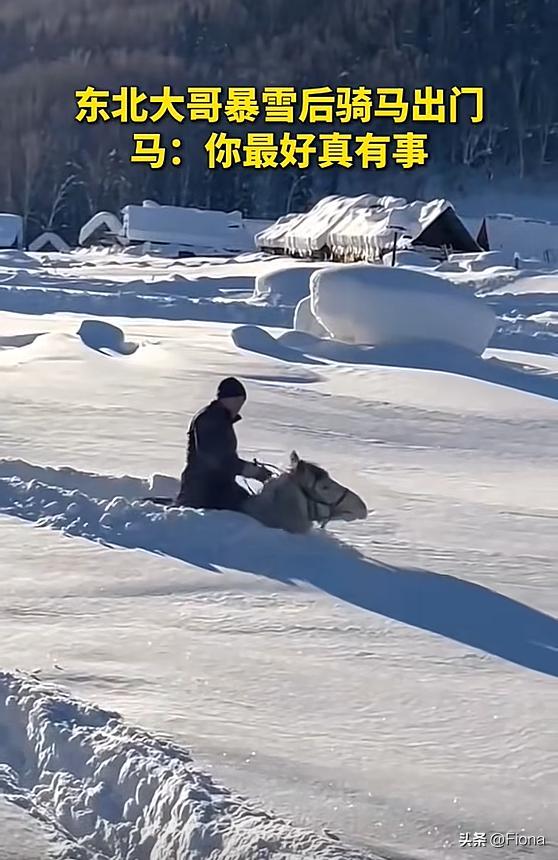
(263, 474)
(257, 472)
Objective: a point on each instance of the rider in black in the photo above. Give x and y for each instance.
(212, 463)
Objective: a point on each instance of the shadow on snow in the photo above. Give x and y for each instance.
(298, 347)
(440, 603)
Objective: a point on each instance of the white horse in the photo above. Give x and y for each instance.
(303, 495)
(293, 500)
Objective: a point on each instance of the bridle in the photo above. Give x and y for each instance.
(314, 504)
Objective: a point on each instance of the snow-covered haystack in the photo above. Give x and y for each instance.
(285, 285)
(304, 319)
(381, 306)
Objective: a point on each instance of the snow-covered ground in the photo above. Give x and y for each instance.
(198, 686)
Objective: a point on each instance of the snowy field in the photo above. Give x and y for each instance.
(187, 684)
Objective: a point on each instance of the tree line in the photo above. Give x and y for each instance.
(57, 172)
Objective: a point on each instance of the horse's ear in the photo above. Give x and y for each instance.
(295, 460)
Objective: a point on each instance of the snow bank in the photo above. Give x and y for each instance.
(30, 838)
(384, 306)
(285, 285)
(530, 284)
(474, 262)
(410, 258)
(16, 474)
(142, 304)
(120, 792)
(547, 320)
(11, 231)
(201, 230)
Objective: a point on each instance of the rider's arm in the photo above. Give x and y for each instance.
(216, 445)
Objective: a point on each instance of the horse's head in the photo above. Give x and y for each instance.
(327, 499)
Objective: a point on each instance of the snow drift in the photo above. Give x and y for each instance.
(380, 306)
(105, 337)
(122, 793)
(285, 285)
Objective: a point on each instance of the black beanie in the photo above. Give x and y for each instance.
(231, 387)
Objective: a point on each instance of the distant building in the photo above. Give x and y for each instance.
(11, 231)
(196, 231)
(191, 232)
(528, 238)
(349, 229)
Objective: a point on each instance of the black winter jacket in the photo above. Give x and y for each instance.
(212, 463)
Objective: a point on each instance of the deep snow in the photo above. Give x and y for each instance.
(120, 793)
(392, 682)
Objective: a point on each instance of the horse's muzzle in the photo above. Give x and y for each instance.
(351, 508)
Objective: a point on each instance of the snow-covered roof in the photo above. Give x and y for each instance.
(49, 239)
(310, 231)
(202, 230)
(363, 225)
(472, 223)
(370, 229)
(275, 235)
(11, 230)
(527, 237)
(106, 222)
(253, 226)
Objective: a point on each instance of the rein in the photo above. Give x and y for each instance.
(313, 503)
(331, 506)
(272, 468)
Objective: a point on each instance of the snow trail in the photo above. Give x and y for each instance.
(121, 793)
(342, 688)
(84, 505)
